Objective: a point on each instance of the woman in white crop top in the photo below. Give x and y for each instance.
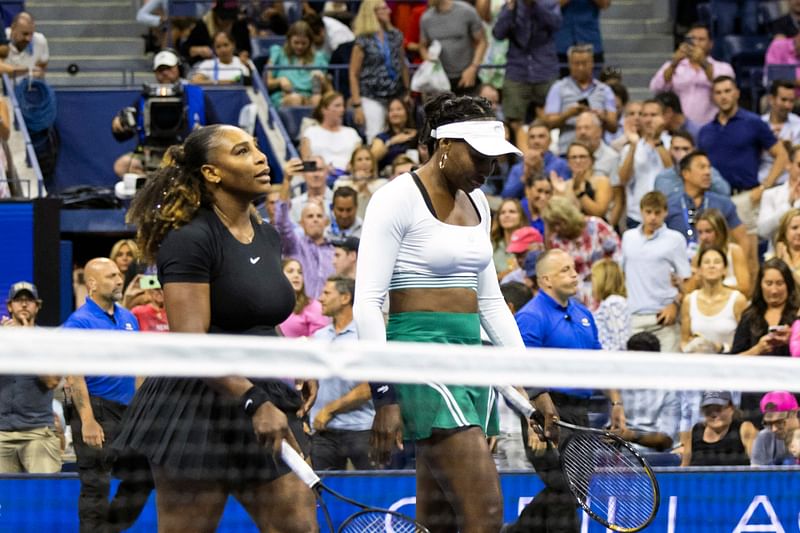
(712, 311)
(426, 242)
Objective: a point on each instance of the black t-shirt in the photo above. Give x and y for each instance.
(729, 451)
(249, 292)
(197, 37)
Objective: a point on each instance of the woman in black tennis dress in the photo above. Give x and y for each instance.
(220, 268)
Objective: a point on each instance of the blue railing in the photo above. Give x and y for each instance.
(19, 124)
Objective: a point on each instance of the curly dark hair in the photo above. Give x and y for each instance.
(446, 108)
(172, 194)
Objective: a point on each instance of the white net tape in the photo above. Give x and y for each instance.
(55, 351)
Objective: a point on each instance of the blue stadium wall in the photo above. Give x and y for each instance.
(697, 501)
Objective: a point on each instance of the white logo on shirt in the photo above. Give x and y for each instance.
(585, 322)
(254, 260)
(383, 389)
(247, 404)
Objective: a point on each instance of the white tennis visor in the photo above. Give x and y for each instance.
(486, 136)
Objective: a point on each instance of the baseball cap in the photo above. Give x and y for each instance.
(22, 286)
(778, 401)
(522, 238)
(486, 136)
(716, 397)
(165, 58)
(349, 243)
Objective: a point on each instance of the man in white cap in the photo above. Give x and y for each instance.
(198, 111)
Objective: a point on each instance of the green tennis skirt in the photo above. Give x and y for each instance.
(435, 405)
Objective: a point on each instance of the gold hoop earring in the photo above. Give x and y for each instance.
(442, 161)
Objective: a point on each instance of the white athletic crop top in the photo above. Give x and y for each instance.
(403, 245)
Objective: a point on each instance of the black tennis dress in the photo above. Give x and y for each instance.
(183, 425)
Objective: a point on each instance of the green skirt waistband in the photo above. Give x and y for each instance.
(445, 328)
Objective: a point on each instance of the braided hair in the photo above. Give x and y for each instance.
(446, 108)
(172, 195)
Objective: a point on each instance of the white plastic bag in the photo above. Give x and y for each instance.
(430, 76)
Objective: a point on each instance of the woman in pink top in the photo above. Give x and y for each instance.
(307, 315)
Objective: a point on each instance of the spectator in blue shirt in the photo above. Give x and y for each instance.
(99, 403)
(734, 141)
(532, 63)
(683, 209)
(576, 93)
(538, 159)
(554, 319)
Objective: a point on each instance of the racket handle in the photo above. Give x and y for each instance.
(516, 401)
(298, 465)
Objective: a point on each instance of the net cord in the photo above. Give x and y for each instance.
(84, 352)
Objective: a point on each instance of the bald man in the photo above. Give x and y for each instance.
(309, 247)
(555, 319)
(98, 404)
(27, 49)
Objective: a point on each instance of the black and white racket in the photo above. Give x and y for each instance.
(367, 519)
(610, 480)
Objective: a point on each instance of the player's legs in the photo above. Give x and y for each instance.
(283, 505)
(187, 505)
(473, 491)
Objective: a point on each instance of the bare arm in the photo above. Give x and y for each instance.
(354, 73)
(602, 197)
(355, 398)
(778, 151)
(748, 432)
(740, 270)
(626, 169)
(602, 4)
(91, 432)
(686, 322)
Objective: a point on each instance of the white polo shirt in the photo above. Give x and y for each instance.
(649, 263)
(36, 52)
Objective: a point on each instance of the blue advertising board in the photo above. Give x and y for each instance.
(692, 501)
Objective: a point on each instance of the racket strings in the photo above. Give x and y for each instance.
(609, 478)
(375, 521)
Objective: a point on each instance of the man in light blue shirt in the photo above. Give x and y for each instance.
(669, 181)
(653, 258)
(342, 414)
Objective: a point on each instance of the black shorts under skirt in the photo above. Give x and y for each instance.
(194, 432)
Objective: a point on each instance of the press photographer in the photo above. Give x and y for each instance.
(163, 114)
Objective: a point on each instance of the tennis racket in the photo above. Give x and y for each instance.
(610, 480)
(367, 519)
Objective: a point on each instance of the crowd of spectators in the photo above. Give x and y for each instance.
(680, 213)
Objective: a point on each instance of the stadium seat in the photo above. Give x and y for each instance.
(768, 10)
(704, 15)
(781, 72)
(292, 118)
(262, 45)
(745, 50)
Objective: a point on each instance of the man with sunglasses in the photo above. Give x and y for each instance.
(780, 417)
(683, 209)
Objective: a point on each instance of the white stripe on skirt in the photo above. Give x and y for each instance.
(450, 401)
